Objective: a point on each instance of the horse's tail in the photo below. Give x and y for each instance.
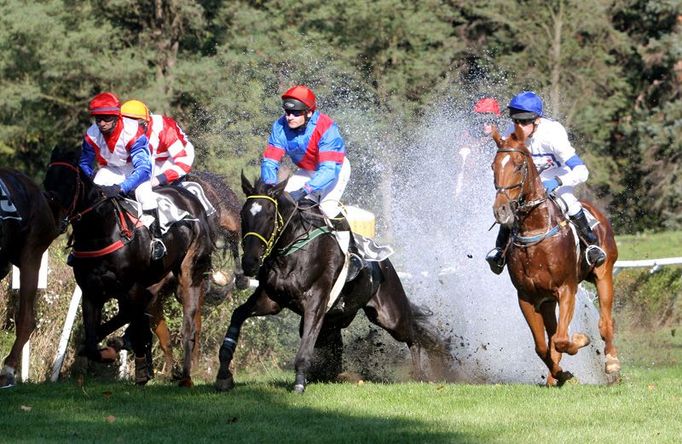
(436, 346)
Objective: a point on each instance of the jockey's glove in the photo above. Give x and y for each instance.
(110, 191)
(551, 184)
(298, 194)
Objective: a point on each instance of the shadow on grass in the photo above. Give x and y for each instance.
(252, 413)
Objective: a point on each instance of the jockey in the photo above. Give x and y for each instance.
(560, 168)
(121, 150)
(313, 142)
(171, 150)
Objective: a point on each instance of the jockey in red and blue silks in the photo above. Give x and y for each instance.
(121, 149)
(313, 142)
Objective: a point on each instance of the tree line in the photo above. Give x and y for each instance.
(610, 70)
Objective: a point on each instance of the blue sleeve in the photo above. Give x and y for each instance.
(87, 158)
(273, 154)
(326, 173)
(141, 163)
(574, 161)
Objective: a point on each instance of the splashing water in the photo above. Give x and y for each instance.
(441, 210)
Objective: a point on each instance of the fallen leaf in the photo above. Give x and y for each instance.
(360, 382)
(110, 419)
(26, 408)
(107, 394)
(232, 420)
(651, 386)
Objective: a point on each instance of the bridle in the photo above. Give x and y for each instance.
(518, 204)
(70, 216)
(277, 229)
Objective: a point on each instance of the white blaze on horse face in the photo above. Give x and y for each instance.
(255, 208)
(505, 160)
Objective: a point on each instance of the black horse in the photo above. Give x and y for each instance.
(113, 260)
(298, 261)
(27, 227)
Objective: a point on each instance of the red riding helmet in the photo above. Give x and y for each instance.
(105, 103)
(299, 98)
(487, 105)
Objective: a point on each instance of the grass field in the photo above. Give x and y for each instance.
(644, 407)
(650, 245)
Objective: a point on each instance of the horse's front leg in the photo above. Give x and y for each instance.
(92, 315)
(313, 316)
(192, 298)
(25, 319)
(542, 327)
(562, 344)
(258, 304)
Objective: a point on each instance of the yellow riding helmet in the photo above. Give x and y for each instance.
(135, 110)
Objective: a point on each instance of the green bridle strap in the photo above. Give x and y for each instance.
(293, 248)
(279, 223)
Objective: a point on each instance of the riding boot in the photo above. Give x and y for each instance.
(158, 247)
(594, 255)
(356, 262)
(495, 257)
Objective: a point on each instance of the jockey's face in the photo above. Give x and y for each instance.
(297, 118)
(527, 125)
(106, 122)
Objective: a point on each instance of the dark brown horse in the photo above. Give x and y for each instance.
(544, 260)
(26, 230)
(226, 224)
(297, 260)
(113, 260)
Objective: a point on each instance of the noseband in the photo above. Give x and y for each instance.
(277, 229)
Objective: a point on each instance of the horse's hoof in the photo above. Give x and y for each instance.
(241, 282)
(108, 355)
(299, 388)
(581, 340)
(562, 377)
(7, 381)
(186, 382)
(612, 364)
(224, 385)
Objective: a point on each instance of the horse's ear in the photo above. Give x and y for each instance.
(279, 188)
(247, 188)
(496, 136)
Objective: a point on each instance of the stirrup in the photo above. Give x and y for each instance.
(594, 255)
(495, 260)
(158, 249)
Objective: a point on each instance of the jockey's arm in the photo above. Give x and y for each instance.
(87, 158)
(142, 171)
(273, 154)
(578, 172)
(180, 151)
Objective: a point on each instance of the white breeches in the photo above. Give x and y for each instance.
(572, 203)
(113, 175)
(331, 195)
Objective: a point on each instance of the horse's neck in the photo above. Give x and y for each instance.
(541, 216)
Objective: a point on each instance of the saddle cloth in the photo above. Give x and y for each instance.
(195, 188)
(7, 208)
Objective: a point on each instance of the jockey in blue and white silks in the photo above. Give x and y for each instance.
(560, 168)
(313, 142)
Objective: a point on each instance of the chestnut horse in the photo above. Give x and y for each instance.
(297, 260)
(27, 227)
(544, 261)
(112, 260)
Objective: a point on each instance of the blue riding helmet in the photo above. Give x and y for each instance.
(526, 105)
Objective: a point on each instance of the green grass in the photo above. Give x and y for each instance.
(650, 245)
(643, 407)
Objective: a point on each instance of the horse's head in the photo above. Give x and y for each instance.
(66, 187)
(515, 175)
(262, 222)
